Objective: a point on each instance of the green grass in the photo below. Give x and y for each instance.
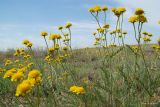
(113, 80)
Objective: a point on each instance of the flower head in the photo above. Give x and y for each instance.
(77, 89)
(65, 48)
(29, 44)
(68, 25)
(54, 36)
(60, 27)
(142, 18)
(25, 42)
(133, 19)
(104, 8)
(51, 50)
(7, 62)
(139, 11)
(34, 74)
(106, 26)
(44, 34)
(9, 73)
(17, 76)
(23, 88)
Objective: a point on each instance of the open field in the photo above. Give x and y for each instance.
(112, 74)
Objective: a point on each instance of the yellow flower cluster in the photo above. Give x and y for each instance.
(17, 76)
(97, 9)
(135, 48)
(27, 43)
(67, 36)
(23, 88)
(19, 52)
(147, 36)
(138, 16)
(9, 73)
(48, 58)
(34, 78)
(118, 11)
(54, 36)
(77, 89)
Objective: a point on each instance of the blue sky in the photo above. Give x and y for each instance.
(25, 19)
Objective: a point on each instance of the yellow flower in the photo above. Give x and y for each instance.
(133, 19)
(66, 34)
(35, 81)
(29, 44)
(145, 33)
(98, 39)
(104, 8)
(97, 8)
(32, 81)
(113, 9)
(16, 61)
(44, 34)
(25, 42)
(60, 28)
(17, 76)
(112, 45)
(150, 35)
(135, 48)
(51, 50)
(34, 77)
(56, 46)
(111, 32)
(106, 26)
(121, 9)
(65, 48)
(139, 11)
(77, 89)
(54, 36)
(146, 39)
(125, 33)
(27, 56)
(142, 18)
(9, 73)
(118, 11)
(91, 10)
(22, 69)
(30, 65)
(48, 58)
(23, 88)
(68, 25)
(1, 70)
(94, 33)
(154, 46)
(15, 54)
(22, 53)
(34, 74)
(21, 65)
(118, 30)
(100, 30)
(8, 62)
